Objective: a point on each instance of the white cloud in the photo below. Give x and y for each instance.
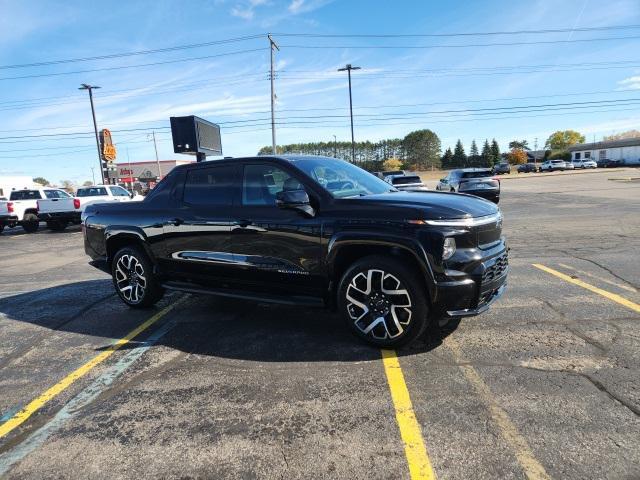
(246, 10)
(631, 83)
(295, 6)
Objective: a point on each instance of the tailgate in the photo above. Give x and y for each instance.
(56, 205)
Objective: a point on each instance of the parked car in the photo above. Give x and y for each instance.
(527, 168)
(614, 163)
(473, 181)
(569, 165)
(387, 173)
(583, 163)
(552, 165)
(275, 229)
(406, 182)
(501, 168)
(22, 207)
(60, 212)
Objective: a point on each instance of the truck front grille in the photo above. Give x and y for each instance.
(496, 270)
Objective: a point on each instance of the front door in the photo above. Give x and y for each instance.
(274, 249)
(197, 236)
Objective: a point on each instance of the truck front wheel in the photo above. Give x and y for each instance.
(30, 222)
(133, 278)
(383, 302)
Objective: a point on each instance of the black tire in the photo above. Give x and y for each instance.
(57, 225)
(133, 279)
(1, 228)
(30, 223)
(364, 293)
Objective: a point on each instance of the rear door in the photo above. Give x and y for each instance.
(197, 235)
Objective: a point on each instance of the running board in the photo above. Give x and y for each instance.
(307, 301)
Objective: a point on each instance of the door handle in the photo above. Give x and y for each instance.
(176, 221)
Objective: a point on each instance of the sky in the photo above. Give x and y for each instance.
(457, 75)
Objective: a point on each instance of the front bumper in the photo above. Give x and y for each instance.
(473, 293)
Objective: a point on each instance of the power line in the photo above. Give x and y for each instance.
(462, 34)
(121, 67)
(131, 54)
(474, 45)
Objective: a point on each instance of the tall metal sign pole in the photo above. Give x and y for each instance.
(348, 69)
(273, 46)
(95, 126)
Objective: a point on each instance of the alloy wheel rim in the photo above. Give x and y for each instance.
(378, 304)
(130, 278)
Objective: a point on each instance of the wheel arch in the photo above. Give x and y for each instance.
(344, 250)
(118, 238)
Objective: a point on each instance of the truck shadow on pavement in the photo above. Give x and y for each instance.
(204, 325)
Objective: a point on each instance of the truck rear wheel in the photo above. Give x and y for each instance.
(30, 223)
(383, 302)
(133, 278)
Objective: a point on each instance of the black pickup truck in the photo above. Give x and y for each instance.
(309, 231)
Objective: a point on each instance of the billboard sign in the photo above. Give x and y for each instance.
(107, 148)
(195, 136)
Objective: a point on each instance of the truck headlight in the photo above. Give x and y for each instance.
(449, 248)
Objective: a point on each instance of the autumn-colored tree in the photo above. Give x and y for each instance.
(562, 139)
(392, 164)
(623, 135)
(517, 156)
(41, 181)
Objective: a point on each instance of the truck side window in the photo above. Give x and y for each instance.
(209, 186)
(262, 182)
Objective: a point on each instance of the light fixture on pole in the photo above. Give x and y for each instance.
(90, 88)
(348, 67)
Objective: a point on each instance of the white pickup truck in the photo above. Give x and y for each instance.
(60, 212)
(22, 207)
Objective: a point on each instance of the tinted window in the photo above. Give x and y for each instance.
(405, 180)
(26, 195)
(91, 192)
(481, 174)
(209, 186)
(56, 194)
(261, 183)
(119, 192)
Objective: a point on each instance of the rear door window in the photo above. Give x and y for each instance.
(405, 180)
(210, 186)
(119, 192)
(92, 192)
(56, 194)
(26, 195)
(261, 183)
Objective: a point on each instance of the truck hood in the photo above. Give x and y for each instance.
(434, 205)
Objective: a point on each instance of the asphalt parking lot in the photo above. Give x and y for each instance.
(544, 385)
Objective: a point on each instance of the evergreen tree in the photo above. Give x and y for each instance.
(487, 159)
(459, 157)
(495, 152)
(422, 148)
(447, 159)
(474, 155)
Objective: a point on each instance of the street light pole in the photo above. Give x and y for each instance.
(335, 147)
(153, 132)
(348, 69)
(90, 88)
(272, 46)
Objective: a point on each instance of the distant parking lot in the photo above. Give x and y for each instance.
(544, 385)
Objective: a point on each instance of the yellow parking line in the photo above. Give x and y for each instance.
(530, 465)
(582, 272)
(611, 296)
(38, 402)
(414, 447)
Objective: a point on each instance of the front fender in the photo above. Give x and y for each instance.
(407, 245)
(117, 236)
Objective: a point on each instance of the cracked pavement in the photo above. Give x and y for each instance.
(242, 390)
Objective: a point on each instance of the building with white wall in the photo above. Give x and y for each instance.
(627, 149)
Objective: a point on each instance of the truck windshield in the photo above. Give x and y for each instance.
(340, 178)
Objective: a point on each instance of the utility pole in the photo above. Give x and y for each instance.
(93, 174)
(348, 69)
(130, 171)
(155, 146)
(95, 126)
(273, 46)
(335, 147)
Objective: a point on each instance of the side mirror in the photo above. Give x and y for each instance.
(295, 200)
